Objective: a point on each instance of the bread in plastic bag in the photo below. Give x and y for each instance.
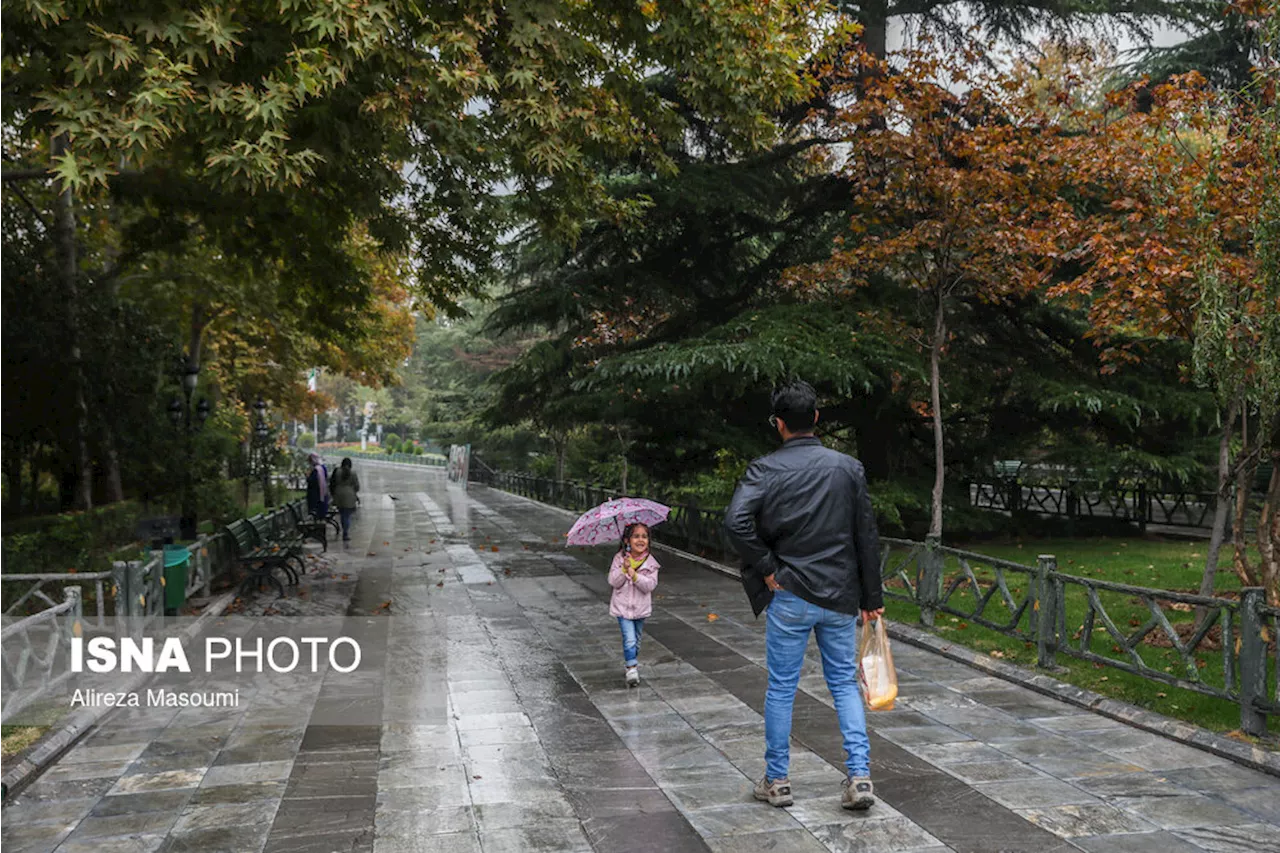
(875, 667)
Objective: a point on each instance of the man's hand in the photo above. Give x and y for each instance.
(872, 615)
(771, 583)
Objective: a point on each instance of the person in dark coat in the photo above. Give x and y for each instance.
(318, 487)
(345, 487)
(801, 519)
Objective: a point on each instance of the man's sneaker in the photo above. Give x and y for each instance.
(633, 676)
(775, 792)
(858, 793)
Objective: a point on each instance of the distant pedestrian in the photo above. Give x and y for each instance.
(318, 487)
(345, 487)
(801, 520)
(633, 576)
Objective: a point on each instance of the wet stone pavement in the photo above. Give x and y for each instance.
(489, 714)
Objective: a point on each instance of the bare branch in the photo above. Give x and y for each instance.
(48, 226)
(11, 175)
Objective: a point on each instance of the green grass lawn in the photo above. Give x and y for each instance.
(1146, 562)
(14, 740)
(37, 719)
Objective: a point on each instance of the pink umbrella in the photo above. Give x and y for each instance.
(604, 524)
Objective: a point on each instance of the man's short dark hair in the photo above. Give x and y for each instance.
(796, 404)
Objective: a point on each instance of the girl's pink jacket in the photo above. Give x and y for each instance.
(632, 599)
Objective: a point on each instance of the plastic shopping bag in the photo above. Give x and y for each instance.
(875, 667)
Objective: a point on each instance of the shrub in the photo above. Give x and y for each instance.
(307, 441)
(391, 442)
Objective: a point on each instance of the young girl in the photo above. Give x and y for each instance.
(633, 576)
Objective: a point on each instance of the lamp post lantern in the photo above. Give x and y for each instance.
(262, 434)
(180, 413)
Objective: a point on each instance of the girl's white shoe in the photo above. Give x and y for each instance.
(633, 676)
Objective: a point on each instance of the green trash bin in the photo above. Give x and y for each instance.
(176, 558)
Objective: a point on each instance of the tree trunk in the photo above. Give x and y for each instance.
(1245, 471)
(198, 324)
(1271, 568)
(875, 30)
(1221, 508)
(1269, 533)
(560, 440)
(14, 461)
(69, 269)
(115, 483)
(33, 465)
(935, 400)
(626, 446)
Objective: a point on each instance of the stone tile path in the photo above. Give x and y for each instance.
(489, 715)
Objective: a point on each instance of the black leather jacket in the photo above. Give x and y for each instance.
(804, 515)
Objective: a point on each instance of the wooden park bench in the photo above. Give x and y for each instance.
(261, 559)
(284, 537)
(308, 528)
(333, 520)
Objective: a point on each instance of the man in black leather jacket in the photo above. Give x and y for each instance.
(801, 520)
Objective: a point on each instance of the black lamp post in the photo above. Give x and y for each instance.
(262, 431)
(180, 413)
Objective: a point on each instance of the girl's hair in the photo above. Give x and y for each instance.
(626, 535)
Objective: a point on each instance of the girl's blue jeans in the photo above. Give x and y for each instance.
(631, 629)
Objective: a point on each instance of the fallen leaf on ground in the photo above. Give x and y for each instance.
(440, 584)
(495, 549)
(711, 617)
(996, 653)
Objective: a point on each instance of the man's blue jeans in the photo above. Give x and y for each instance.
(344, 515)
(789, 620)
(631, 629)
